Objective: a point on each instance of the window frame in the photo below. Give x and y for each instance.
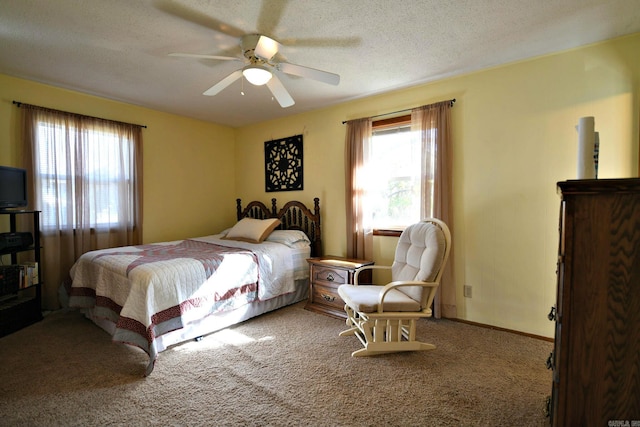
(382, 124)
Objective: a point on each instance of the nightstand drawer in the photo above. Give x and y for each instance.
(327, 296)
(330, 276)
(327, 273)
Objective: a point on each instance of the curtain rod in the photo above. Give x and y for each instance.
(19, 104)
(452, 101)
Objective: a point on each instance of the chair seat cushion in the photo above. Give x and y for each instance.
(364, 298)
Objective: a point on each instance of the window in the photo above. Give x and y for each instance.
(86, 181)
(91, 169)
(394, 187)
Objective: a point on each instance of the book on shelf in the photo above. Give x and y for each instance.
(29, 274)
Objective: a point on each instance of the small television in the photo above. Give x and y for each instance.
(13, 188)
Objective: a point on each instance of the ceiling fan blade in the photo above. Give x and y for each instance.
(187, 13)
(197, 55)
(266, 48)
(280, 92)
(215, 89)
(311, 73)
(332, 42)
(270, 16)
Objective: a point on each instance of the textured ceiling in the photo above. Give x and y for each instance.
(118, 49)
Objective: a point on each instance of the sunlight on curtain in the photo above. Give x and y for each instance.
(86, 181)
(359, 223)
(434, 124)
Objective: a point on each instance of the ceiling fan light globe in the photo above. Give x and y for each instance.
(256, 75)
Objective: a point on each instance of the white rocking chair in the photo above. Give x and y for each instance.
(384, 317)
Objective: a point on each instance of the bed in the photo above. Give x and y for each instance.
(158, 295)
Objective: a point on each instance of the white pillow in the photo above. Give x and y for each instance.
(252, 230)
(291, 238)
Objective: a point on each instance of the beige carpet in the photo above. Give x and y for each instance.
(285, 368)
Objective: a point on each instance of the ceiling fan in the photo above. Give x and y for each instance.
(261, 60)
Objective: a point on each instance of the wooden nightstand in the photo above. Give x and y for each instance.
(326, 274)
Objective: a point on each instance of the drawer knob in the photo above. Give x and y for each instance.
(547, 407)
(328, 298)
(330, 277)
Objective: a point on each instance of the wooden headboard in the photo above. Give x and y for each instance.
(294, 215)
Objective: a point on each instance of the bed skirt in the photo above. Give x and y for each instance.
(214, 322)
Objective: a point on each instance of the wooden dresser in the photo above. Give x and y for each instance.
(596, 357)
(326, 274)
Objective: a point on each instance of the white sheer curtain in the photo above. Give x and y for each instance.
(357, 152)
(86, 179)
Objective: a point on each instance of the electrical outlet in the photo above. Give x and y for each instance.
(467, 291)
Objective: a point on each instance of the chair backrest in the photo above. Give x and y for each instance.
(421, 254)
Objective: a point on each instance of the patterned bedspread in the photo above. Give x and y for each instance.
(149, 290)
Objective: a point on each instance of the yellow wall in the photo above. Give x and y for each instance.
(187, 163)
(514, 138)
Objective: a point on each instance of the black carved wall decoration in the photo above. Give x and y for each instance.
(283, 164)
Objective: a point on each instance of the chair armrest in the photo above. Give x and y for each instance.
(398, 284)
(368, 267)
